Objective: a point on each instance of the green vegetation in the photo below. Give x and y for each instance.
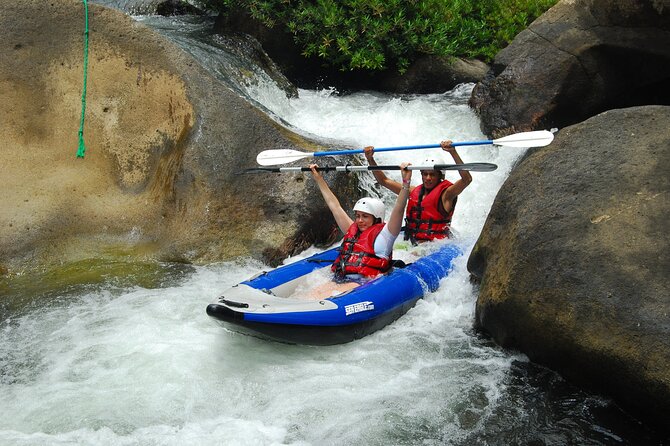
(380, 34)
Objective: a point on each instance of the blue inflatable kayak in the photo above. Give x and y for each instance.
(261, 307)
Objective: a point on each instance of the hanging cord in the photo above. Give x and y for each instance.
(82, 148)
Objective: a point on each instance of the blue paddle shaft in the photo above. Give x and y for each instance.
(390, 149)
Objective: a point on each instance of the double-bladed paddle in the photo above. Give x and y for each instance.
(538, 138)
(475, 167)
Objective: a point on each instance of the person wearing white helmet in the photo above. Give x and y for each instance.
(368, 241)
(431, 205)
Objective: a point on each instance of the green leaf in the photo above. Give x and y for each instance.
(376, 34)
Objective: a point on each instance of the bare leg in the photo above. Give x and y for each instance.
(330, 289)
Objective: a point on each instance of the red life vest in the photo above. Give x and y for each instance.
(425, 220)
(357, 253)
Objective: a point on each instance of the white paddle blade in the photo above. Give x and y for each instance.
(538, 138)
(280, 156)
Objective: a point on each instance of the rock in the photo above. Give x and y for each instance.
(433, 74)
(166, 144)
(176, 7)
(133, 7)
(146, 7)
(574, 258)
(252, 57)
(277, 44)
(580, 58)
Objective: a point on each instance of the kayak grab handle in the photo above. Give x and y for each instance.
(231, 303)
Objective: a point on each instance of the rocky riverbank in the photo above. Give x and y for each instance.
(166, 143)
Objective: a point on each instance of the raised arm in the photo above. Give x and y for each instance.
(341, 218)
(381, 178)
(454, 190)
(394, 222)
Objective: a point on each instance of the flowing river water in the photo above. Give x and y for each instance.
(123, 354)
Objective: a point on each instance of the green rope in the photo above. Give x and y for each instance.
(82, 149)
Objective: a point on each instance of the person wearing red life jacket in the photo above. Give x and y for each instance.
(431, 205)
(368, 242)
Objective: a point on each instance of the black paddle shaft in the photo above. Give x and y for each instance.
(475, 167)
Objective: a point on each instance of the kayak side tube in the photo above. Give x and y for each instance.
(250, 307)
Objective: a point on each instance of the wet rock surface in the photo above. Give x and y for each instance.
(580, 58)
(573, 258)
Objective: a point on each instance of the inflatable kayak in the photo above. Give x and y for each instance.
(266, 305)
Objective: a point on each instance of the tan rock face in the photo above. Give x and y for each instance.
(135, 112)
(132, 114)
(165, 146)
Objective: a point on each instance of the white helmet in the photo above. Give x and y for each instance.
(431, 162)
(372, 206)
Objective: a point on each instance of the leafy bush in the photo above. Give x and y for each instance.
(379, 34)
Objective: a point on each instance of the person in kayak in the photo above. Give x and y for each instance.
(368, 242)
(431, 205)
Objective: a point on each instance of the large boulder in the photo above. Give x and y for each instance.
(574, 258)
(580, 58)
(144, 7)
(432, 74)
(166, 144)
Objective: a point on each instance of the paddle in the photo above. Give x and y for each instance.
(475, 167)
(538, 138)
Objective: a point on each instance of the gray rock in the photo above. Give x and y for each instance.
(574, 258)
(432, 74)
(144, 7)
(580, 58)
